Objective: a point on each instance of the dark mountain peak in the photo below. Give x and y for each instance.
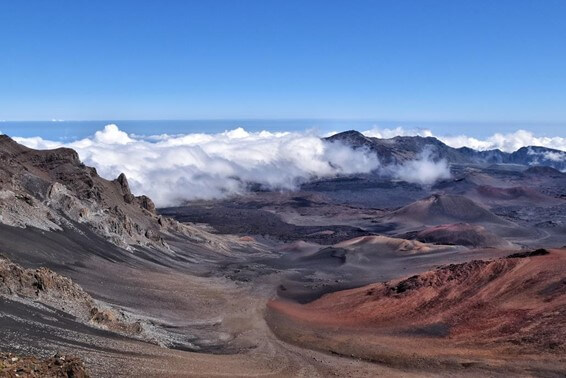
(399, 149)
(416, 142)
(417, 138)
(122, 180)
(124, 186)
(5, 139)
(38, 157)
(541, 152)
(353, 138)
(538, 149)
(537, 155)
(10, 146)
(469, 149)
(348, 134)
(60, 155)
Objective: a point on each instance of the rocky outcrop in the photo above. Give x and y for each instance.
(125, 188)
(44, 286)
(52, 190)
(146, 203)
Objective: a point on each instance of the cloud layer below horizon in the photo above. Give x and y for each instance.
(175, 168)
(172, 169)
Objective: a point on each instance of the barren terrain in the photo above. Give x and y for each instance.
(360, 275)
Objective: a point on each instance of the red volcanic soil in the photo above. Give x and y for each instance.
(481, 310)
(460, 234)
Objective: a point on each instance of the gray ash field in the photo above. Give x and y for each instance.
(359, 275)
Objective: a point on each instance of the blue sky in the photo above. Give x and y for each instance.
(422, 60)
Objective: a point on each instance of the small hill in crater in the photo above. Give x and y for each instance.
(441, 209)
(465, 234)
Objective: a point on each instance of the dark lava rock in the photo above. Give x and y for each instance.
(522, 255)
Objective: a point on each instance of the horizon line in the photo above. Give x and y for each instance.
(53, 120)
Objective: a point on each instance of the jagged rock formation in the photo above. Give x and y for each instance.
(47, 287)
(51, 189)
(402, 148)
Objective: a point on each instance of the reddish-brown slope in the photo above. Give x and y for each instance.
(510, 306)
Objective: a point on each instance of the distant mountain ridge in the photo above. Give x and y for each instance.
(402, 148)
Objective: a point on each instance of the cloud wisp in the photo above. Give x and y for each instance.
(424, 170)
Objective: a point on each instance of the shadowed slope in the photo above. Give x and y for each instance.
(459, 234)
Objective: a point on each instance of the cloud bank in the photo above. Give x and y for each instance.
(172, 169)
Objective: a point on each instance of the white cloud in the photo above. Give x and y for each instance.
(554, 156)
(171, 169)
(37, 143)
(423, 171)
(112, 135)
(174, 168)
(546, 155)
(507, 142)
(377, 132)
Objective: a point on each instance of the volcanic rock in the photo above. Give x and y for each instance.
(50, 189)
(44, 286)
